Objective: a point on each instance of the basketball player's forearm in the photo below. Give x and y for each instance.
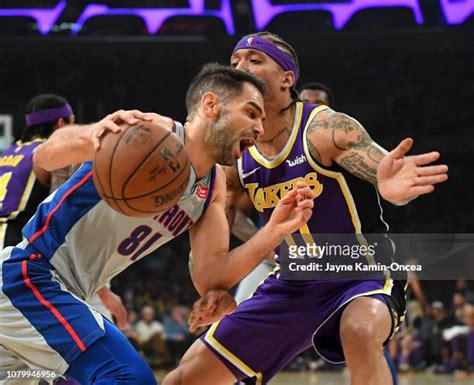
(363, 163)
(230, 268)
(347, 143)
(244, 229)
(69, 145)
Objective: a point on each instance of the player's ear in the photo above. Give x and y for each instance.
(210, 104)
(60, 123)
(288, 79)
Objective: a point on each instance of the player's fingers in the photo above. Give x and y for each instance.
(126, 117)
(422, 159)
(194, 324)
(305, 192)
(202, 306)
(198, 305)
(420, 190)
(305, 204)
(96, 142)
(114, 114)
(301, 184)
(149, 116)
(290, 197)
(137, 114)
(433, 170)
(306, 215)
(207, 309)
(210, 307)
(403, 147)
(109, 125)
(193, 320)
(432, 179)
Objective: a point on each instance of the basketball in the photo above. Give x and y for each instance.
(142, 170)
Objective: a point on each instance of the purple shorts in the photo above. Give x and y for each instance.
(284, 318)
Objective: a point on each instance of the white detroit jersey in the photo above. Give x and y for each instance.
(88, 243)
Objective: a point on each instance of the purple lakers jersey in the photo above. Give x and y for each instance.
(339, 195)
(20, 193)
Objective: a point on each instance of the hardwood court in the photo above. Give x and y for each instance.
(305, 378)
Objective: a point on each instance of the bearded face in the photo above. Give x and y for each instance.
(221, 140)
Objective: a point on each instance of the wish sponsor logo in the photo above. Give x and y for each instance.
(298, 160)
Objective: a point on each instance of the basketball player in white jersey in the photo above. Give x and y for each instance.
(75, 242)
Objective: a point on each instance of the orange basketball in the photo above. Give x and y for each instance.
(142, 170)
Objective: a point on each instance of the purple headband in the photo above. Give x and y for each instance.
(260, 44)
(49, 115)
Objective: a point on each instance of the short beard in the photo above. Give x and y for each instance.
(219, 140)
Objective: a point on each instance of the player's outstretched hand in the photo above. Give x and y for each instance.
(210, 308)
(293, 211)
(112, 123)
(402, 178)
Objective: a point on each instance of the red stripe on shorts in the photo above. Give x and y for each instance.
(50, 307)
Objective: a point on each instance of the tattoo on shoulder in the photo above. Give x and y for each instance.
(314, 151)
(340, 123)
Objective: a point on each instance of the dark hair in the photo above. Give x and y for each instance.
(319, 87)
(224, 81)
(289, 50)
(38, 103)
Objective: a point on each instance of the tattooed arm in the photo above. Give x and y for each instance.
(336, 137)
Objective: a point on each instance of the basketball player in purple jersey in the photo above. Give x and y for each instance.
(23, 185)
(344, 320)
